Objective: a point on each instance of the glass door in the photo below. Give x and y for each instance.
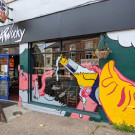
(4, 77)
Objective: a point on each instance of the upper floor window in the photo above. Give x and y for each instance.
(88, 44)
(88, 55)
(72, 56)
(72, 47)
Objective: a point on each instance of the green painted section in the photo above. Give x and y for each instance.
(95, 119)
(24, 60)
(67, 114)
(103, 116)
(124, 58)
(69, 110)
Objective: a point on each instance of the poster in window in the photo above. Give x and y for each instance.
(11, 62)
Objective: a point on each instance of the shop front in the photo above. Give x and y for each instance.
(59, 69)
(9, 78)
(59, 76)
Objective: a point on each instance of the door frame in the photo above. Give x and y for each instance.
(8, 77)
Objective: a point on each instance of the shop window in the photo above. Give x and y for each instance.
(56, 73)
(9, 50)
(45, 47)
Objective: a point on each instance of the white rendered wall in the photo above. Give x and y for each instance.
(27, 9)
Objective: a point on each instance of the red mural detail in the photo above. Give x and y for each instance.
(128, 102)
(113, 90)
(85, 92)
(43, 80)
(123, 77)
(123, 96)
(91, 67)
(89, 106)
(23, 81)
(19, 102)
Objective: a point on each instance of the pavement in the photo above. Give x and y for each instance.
(38, 123)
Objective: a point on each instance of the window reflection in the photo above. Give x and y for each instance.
(43, 47)
(62, 79)
(8, 50)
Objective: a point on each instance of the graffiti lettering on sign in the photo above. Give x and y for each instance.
(10, 33)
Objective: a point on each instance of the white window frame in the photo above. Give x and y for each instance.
(90, 56)
(72, 56)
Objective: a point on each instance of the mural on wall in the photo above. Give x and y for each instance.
(23, 82)
(116, 92)
(86, 75)
(40, 92)
(23, 76)
(38, 95)
(107, 89)
(117, 95)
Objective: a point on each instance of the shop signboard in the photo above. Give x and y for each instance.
(11, 33)
(3, 11)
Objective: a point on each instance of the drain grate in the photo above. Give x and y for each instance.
(17, 113)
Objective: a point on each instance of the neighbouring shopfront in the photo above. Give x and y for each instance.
(9, 77)
(73, 63)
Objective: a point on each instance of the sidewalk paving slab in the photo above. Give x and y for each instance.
(36, 123)
(39, 123)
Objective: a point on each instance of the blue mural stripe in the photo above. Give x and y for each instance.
(72, 69)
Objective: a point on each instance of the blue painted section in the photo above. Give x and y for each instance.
(72, 69)
(94, 87)
(6, 78)
(6, 98)
(2, 55)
